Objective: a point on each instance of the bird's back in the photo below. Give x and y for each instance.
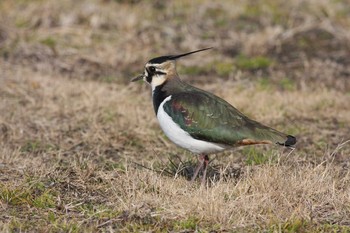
(208, 117)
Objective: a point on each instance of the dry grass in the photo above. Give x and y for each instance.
(81, 150)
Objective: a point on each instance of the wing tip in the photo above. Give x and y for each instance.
(291, 140)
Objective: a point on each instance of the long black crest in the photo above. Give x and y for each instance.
(173, 57)
(162, 59)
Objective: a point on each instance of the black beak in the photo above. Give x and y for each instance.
(137, 78)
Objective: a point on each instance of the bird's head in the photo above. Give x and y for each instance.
(160, 69)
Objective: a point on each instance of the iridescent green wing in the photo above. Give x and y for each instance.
(210, 118)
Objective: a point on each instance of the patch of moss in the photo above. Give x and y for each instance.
(273, 10)
(224, 68)
(32, 193)
(253, 10)
(51, 43)
(108, 115)
(191, 223)
(253, 63)
(21, 23)
(98, 211)
(264, 84)
(288, 84)
(257, 157)
(112, 166)
(45, 200)
(218, 15)
(30, 146)
(18, 225)
(14, 196)
(68, 226)
(37, 146)
(51, 217)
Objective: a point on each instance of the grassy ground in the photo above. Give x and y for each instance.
(80, 147)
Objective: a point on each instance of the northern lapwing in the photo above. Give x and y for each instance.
(199, 121)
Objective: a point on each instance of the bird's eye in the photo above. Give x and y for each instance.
(152, 69)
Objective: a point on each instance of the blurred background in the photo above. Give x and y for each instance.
(289, 45)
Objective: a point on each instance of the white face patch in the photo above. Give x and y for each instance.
(157, 73)
(157, 80)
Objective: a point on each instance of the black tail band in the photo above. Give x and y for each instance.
(291, 140)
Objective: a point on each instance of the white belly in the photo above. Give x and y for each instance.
(182, 138)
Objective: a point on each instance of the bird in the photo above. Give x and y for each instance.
(200, 121)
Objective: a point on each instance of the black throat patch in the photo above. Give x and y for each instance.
(158, 96)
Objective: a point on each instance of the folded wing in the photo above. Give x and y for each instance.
(210, 118)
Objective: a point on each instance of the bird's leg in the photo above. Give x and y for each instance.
(205, 164)
(198, 167)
